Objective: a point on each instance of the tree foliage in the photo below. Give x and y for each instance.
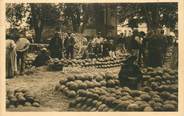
(155, 15)
(79, 16)
(43, 15)
(16, 14)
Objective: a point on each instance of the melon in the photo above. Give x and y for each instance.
(133, 107)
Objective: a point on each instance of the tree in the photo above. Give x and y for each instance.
(16, 14)
(42, 15)
(72, 12)
(155, 15)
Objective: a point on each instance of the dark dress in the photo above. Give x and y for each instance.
(55, 47)
(155, 51)
(130, 76)
(69, 46)
(106, 48)
(41, 59)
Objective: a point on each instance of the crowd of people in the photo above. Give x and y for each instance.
(91, 47)
(146, 49)
(149, 49)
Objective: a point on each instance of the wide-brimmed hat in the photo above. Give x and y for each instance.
(44, 50)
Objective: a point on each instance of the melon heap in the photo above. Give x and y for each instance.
(21, 97)
(106, 62)
(101, 92)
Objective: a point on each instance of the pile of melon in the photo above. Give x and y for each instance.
(107, 62)
(122, 99)
(102, 92)
(161, 79)
(21, 97)
(72, 84)
(29, 59)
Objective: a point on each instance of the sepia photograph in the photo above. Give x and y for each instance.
(91, 57)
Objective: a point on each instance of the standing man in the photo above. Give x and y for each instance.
(112, 48)
(22, 45)
(128, 41)
(135, 43)
(123, 42)
(55, 46)
(164, 43)
(106, 47)
(141, 46)
(98, 44)
(69, 46)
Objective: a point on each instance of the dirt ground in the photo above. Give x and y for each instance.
(42, 83)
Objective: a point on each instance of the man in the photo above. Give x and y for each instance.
(112, 47)
(130, 74)
(128, 41)
(135, 43)
(22, 45)
(69, 43)
(98, 44)
(106, 47)
(83, 48)
(141, 46)
(42, 58)
(174, 63)
(123, 42)
(164, 45)
(56, 46)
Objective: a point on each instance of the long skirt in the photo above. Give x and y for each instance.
(11, 63)
(155, 58)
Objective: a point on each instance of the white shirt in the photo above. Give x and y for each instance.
(22, 43)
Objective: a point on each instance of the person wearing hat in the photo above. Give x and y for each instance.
(42, 58)
(130, 74)
(69, 43)
(56, 46)
(22, 46)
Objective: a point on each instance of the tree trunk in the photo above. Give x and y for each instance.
(155, 18)
(85, 19)
(152, 18)
(74, 25)
(37, 22)
(38, 34)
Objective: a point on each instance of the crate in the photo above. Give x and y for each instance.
(55, 67)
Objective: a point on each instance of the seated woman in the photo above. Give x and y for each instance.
(130, 74)
(42, 58)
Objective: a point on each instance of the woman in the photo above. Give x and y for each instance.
(130, 74)
(11, 62)
(42, 58)
(55, 46)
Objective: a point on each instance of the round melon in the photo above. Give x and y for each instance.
(148, 109)
(169, 107)
(133, 107)
(145, 97)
